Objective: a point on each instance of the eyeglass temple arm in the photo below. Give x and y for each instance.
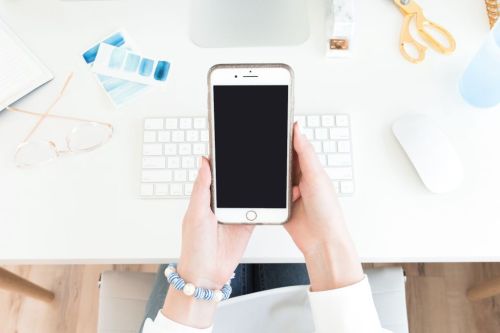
(13, 109)
(44, 115)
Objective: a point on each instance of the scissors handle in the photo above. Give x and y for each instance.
(424, 26)
(407, 41)
(410, 9)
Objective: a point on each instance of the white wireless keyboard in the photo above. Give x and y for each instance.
(172, 147)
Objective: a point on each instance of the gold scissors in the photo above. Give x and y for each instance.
(410, 9)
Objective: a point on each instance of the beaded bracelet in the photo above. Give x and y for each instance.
(199, 293)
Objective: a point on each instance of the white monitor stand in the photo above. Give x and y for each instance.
(248, 23)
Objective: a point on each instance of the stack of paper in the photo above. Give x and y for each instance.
(20, 71)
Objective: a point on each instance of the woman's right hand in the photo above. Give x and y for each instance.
(317, 224)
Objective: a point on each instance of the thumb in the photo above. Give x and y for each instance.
(200, 196)
(309, 163)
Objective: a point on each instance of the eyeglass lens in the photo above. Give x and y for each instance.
(35, 153)
(88, 136)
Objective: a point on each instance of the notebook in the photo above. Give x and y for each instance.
(20, 71)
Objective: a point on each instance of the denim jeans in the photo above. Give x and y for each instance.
(249, 278)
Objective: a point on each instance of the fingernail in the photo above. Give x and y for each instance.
(299, 127)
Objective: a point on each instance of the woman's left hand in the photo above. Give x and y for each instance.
(209, 255)
(210, 251)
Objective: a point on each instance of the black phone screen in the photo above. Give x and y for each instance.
(250, 125)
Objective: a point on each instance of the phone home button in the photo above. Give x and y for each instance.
(251, 215)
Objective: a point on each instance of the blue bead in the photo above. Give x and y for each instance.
(209, 294)
(171, 277)
(178, 283)
(197, 293)
(227, 288)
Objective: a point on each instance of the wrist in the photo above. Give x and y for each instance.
(187, 310)
(205, 279)
(333, 264)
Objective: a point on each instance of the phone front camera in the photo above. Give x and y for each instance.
(236, 76)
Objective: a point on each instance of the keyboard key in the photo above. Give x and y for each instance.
(156, 162)
(344, 146)
(152, 149)
(200, 123)
(199, 149)
(188, 189)
(313, 121)
(339, 159)
(184, 149)
(170, 149)
(188, 162)
(192, 136)
(173, 162)
(153, 123)
(327, 120)
(147, 189)
(309, 133)
(339, 173)
(176, 189)
(156, 176)
(185, 123)
(339, 133)
(342, 120)
(164, 136)
(317, 146)
(321, 134)
(347, 187)
(149, 136)
(322, 159)
(204, 135)
(171, 123)
(329, 147)
(301, 120)
(192, 175)
(161, 189)
(178, 136)
(180, 175)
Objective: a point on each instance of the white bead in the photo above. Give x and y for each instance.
(169, 270)
(188, 289)
(218, 296)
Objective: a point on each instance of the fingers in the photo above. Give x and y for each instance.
(239, 231)
(296, 169)
(295, 193)
(200, 196)
(308, 160)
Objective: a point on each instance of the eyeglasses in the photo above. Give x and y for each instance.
(84, 137)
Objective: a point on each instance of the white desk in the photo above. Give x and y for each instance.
(86, 208)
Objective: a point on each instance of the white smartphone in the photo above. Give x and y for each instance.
(251, 118)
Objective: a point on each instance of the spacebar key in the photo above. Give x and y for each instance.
(339, 173)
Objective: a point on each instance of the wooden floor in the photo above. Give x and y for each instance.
(435, 296)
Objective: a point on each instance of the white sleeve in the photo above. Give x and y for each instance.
(162, 324)
(345, 310)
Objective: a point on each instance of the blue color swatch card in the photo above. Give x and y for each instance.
(123, 63)
(120, 91)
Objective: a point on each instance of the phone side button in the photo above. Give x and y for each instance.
(251, 215)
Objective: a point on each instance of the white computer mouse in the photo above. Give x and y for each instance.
(431, 152)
